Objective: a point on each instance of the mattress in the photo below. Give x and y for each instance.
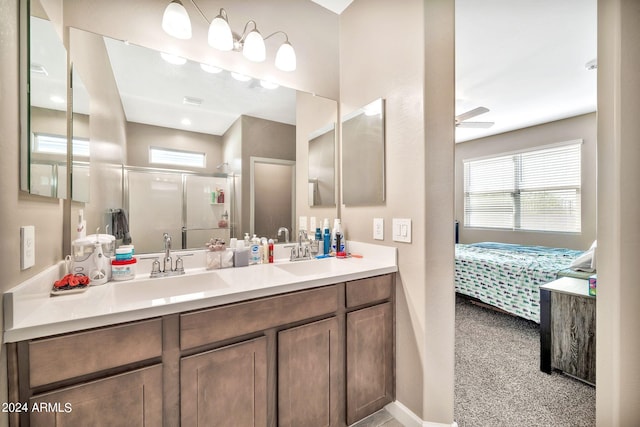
(507, 276)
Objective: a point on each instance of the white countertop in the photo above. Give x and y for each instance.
(31, 312)
(569, 285)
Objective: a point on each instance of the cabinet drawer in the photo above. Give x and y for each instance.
(209, 326)
(132, 399)
(69, 356)
(370, 290)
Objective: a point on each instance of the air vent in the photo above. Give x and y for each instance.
(188, 100)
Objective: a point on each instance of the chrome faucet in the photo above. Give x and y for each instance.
(167, 253)
(286, 233)
(302, 249)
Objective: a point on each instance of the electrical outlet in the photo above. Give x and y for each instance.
(378, 228)
(27, 246)
(402, 230)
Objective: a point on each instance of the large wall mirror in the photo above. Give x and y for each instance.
(44, 141)
(140, 100)
(322, 182)
(44, 106)
(363, 140)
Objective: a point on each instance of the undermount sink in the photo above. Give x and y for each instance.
(169, 289)
(315, 267)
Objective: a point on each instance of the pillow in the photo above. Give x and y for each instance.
(586, 261)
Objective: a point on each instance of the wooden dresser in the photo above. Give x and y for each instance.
(568, 329)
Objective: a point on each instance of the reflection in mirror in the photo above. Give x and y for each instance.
(273, 183)
(80, 179)
(363, 136)
(46, 151)
(184, 109)
(322, 167)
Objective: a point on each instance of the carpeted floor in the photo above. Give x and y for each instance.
(498, 377)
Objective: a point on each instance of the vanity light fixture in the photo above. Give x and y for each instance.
(240, 77)
(221, 37)
(173, 59)
(210, 68)
(175, 21)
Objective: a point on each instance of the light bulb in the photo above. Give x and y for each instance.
(286, 57)
(175, 21)
(173, 59)
(210, 68)
(220, 36)
(254, 49)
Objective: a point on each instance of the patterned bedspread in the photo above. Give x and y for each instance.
(508, 276)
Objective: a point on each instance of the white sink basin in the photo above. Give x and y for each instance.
(315, 267)
(163, 290)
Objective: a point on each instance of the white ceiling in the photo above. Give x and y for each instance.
(524, 60)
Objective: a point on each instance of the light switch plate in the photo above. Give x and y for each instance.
(402, 230)
(27, 246)
(302, 223)
(378, 228)
(312, 224)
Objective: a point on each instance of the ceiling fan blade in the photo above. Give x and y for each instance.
(475, 124)
(471, 113)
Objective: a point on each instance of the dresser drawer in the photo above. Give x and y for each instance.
(369, 290)
(209, 326)
(68, 356)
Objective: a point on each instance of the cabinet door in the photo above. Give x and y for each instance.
(309, 371)
(573, 338)
(370, 378)
(128, 400)
(225, 387)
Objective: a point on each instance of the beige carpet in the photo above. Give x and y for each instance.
(498, 377)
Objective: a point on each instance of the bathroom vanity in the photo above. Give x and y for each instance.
(289, 344)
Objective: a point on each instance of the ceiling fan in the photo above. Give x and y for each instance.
(461, 119)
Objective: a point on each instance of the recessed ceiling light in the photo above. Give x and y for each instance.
(173, 59)
(186, 122)
(240, 77)
(189, 100)
(57, 99)
(269, 85)
(210, 68)
(591, 65)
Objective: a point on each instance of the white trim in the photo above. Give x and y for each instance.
(578, 141)
(409, 419)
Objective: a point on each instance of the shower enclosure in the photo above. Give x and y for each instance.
(188, 206)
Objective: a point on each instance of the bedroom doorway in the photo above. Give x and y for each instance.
(512, 60)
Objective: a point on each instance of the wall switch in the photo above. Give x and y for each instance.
(302, 223)
(402, 230)
(27, 246)
(378, 228)
(312, 224)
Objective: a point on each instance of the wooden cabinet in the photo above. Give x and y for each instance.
(225, 387)
(309, 375)
(567, 329)
(132, 399)
(303, 358)
(370, 360)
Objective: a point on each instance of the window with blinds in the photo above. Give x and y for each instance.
(534, 190)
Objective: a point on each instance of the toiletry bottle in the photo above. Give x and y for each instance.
(336, 229)
(247, 240)
(82, 225)
(254, 251)
(264, 250)
(319, 240)
(270, 243)
(326, 241)
(221, 196)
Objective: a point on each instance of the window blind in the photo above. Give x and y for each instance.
(536, 190)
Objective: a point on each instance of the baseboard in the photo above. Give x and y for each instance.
(409, 419)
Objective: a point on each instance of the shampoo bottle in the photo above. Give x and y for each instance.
(337, 244)
(254, 251)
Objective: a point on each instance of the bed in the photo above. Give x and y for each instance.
(507, 276)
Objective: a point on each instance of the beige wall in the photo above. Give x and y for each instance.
(141, 137)
(618, 303)
(580, 127)
(411, 67)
